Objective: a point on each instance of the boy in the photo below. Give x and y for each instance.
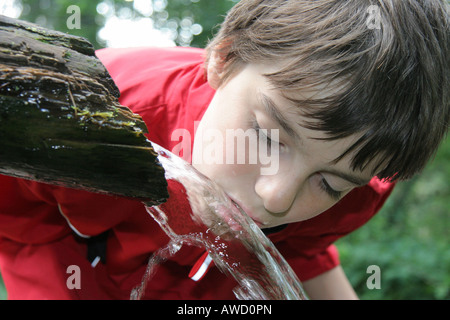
(354, 94)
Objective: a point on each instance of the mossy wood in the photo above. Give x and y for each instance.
(61, 121)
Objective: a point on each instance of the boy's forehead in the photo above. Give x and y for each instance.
(314, 91)
(304, 90)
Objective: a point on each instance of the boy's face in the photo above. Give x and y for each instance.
(299, 182)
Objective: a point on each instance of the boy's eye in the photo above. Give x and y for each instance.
(263, 134)
(336, 195)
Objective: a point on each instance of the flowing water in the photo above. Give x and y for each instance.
(198, 212)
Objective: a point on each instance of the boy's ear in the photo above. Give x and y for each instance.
(215, 70)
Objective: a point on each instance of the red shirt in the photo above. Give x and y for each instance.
(45, 229)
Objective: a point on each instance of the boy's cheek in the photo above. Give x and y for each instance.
(226, 173)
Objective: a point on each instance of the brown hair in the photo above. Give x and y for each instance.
(393, 78)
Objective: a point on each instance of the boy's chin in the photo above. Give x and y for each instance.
(270, 230)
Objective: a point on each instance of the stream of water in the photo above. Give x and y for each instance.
(198, 212)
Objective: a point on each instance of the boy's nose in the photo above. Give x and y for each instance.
(278, 192)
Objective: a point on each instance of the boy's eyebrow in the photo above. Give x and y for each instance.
(353, 179)
(277, 116)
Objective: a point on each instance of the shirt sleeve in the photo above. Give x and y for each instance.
(309, 245)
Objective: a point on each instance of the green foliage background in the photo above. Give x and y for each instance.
(408, 239)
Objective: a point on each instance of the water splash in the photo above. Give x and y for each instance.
(198, 212)
(158, 257)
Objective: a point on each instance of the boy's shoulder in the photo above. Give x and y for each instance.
(149, 69)
(166, 86)
(116, 58)
(148, 76)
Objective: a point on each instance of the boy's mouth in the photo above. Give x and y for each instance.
(247, 212)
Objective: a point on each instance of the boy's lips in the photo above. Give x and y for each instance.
(248, 212)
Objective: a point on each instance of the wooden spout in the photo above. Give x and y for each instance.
(61, 121)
